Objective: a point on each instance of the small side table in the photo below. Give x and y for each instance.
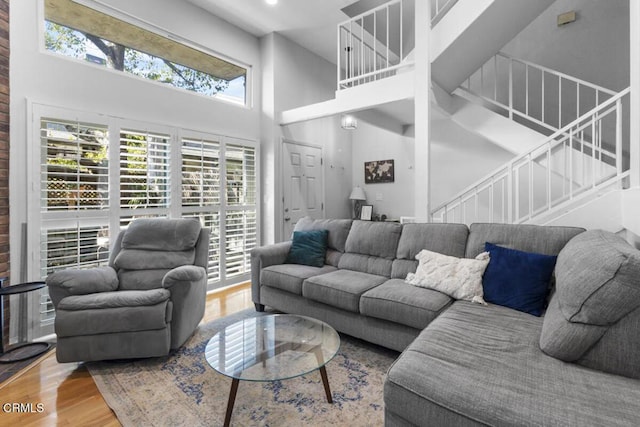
(36, 348)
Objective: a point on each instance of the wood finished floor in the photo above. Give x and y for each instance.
(66, 390)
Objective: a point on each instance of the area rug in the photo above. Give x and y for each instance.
(182, 389)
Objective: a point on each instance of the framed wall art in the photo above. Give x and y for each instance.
(379, 171)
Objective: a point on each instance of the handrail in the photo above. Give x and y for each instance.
(495, 83)
(573, 142)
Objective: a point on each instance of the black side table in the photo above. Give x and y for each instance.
(35, 348)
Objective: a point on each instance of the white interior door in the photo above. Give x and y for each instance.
(302, 189)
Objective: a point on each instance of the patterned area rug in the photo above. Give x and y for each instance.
(182, 389)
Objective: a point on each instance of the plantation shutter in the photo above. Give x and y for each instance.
(74, 199)
(241, 210)
(201, 193)
(144, 170)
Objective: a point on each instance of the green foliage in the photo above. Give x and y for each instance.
(70, 42)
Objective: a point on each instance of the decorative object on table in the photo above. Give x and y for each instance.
(20, 351)
(366, 213)
(140, 391)
(358, 196)
(147, 303)
(379, 171)
(349, 122)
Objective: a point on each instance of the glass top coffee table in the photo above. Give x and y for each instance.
(270, 348)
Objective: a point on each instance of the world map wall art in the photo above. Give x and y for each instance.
(378, 171)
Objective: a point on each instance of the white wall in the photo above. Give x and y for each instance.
(371, 143)
(594, 48)
(458, 158)
(295, 77)
(53, 79)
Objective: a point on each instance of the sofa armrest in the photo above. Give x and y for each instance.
(188, 287)
(185, 274)
(64, 283)
(264, 257)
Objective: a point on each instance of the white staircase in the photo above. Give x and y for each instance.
(581, 161)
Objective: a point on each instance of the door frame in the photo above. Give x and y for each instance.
(280, 214)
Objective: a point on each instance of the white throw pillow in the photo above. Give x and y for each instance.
(460, 278)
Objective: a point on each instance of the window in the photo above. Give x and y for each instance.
(241, 218)
(79, 209)
(77, 31)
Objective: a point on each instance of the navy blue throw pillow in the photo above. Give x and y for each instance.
(517, 279)
(308, 248)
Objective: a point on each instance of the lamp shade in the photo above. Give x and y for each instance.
(349, 123)
(357, 194)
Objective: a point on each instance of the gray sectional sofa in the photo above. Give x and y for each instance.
(464, 363)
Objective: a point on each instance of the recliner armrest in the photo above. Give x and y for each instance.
(64, 283)
(183, 274)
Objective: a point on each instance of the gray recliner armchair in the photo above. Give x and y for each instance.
(146, 302)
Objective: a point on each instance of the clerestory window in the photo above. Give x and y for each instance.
(77, 31)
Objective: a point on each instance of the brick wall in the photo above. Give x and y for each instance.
(4, 146)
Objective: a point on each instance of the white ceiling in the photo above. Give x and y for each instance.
(310, 23)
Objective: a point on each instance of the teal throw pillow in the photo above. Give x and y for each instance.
(308, 248)
(517, 279)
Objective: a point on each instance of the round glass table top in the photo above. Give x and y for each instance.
(272, 347)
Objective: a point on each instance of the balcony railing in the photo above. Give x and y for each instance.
(586, 154)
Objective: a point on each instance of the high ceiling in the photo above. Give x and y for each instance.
(310, 23)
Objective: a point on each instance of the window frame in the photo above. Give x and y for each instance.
(156, 29)
(39, 220)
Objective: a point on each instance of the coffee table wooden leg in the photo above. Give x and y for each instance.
(325, 383)
(232, 401)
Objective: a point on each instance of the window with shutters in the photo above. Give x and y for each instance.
(95, 178)
(241, 213)
(201, 192)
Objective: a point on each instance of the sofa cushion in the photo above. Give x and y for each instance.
(162, 234)
(289, 277)
(594, 317)
(517, 279)
(402, 303)
(341, 288)
(460, 278)
(548, 240)
(482, 364)
(114, 299)
(378, 239)
(338, 230)
(366, 264)
(597, 278)
(447, 239)
(141, 279)
(308, 248)
(113, 312)
(137, 259)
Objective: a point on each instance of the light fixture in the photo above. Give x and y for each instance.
(358, 196)
(349, 122)
(271, 2)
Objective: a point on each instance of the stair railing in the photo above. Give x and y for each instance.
(586, 154)
(536, 96)
(371, 45)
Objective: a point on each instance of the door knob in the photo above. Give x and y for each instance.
(287, 219)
